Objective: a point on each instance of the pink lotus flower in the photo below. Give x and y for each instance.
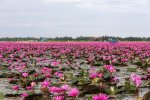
(92, 69)
(24, 94)
(115, 79)
(93, 75)
(124, 60)
(132, 76)
(46, 70)
(138, 82)
(136, 79)
(145, 77)
(55, 89)
(73, 92)
(11, 79)
(15, 88)
(25, 74)
(36, 75)
(114, 60)
(65, 87)
(47, 75)
(55, 63)
(46, 83)
(100, 75)
(12, 55)
(29, 88)
(58, 74)
(33, 84)
(59, 98)
(148, 70)
(110, 68)
(1, 56)
(100, 97)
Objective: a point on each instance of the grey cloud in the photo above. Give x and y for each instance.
(51, 18)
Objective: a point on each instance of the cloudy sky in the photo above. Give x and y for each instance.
(51, 18)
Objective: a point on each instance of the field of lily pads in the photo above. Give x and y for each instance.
(74, 71)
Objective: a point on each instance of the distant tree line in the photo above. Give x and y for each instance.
(81, 38)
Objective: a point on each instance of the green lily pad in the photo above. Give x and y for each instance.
(2, 96)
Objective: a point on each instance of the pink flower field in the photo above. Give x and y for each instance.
(74, 71)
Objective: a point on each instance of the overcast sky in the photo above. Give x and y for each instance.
(51, 18)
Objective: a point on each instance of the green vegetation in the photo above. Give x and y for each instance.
(132, 69)
(81, 38)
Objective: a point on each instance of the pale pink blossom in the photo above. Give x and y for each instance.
(110, 68)
(59, 98)
(73, 92)
(16, 87)
(24, 94)
(33, 84)
(65, 87)
(136, 79)
(46, 83)
(100, 97)
(55, 89)
(25, 74)
(93, 75)
(148, 70)
(55, 63)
